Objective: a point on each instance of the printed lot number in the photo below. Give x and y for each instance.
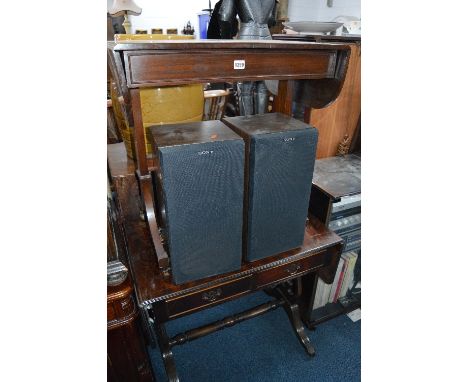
(239, 64)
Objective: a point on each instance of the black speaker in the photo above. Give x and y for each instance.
(199, 182)
(279, 164)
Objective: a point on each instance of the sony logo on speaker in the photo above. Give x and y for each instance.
(289, 139)
(205, 152)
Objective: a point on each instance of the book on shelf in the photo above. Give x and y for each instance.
(322, 294)
(339, 269)
(326, 294)
(348, 276)
(345, 258)
(351, 275)
(344, 276)
(318, 294)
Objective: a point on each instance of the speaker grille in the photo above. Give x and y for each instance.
(280, 178)
(203, 192)
(279, 172)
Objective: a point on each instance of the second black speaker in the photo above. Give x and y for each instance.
(280, 156)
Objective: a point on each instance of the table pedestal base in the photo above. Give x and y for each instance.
(283, 298)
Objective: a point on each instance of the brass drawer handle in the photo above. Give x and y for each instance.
(212, 295)
(293, 269)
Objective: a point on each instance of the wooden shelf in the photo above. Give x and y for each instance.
(332, 310)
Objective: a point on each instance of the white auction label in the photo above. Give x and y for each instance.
(239, 64)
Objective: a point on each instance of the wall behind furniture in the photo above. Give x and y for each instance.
(317, 10)
(176, 13)
(169, 14)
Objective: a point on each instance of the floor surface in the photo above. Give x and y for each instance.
(263, 349)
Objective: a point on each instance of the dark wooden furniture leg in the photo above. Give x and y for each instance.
(166, 352)
(166, 343)
(292, 309)
(226, 322)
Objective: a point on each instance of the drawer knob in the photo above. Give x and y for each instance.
(293, 269)
(211, 295)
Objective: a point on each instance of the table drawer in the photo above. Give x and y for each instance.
(291, 270)
(200, 299)
(170, 67)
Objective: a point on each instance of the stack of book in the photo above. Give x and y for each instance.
(344, 279)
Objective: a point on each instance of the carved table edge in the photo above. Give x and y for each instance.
(147, 303)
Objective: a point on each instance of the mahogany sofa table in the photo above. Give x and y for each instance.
(140, 64)
(160, 300)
